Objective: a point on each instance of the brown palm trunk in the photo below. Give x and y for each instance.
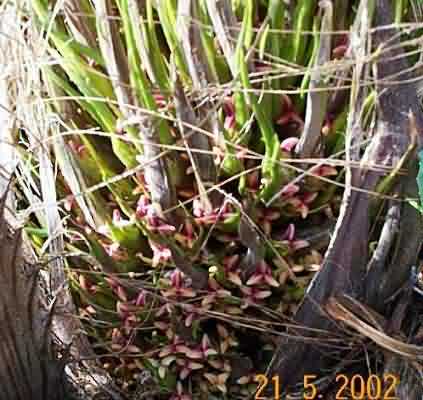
(28, 369)
(354, 288)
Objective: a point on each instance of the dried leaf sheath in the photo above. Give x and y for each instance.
(27, 368)
(157, 170)
(205, 116)
(317, 100)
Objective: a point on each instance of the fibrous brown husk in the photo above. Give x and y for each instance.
(28, 368)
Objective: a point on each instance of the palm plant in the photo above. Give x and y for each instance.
(195, 143)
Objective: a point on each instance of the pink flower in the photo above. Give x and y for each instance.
(163, 326)
(327, 125)
(289, 144)
(115, 251)
(112, 281)
(214, 291)
(253, 181)
(232, 270)
(289, 114)
(289, 190)
(323, 170)
(339, 51)
(253, 295)
(178, 286)
(192, 312)
(264, 67)
(179, 395)
(187, 192)
(263, 275)
(197, 208)
(121, 293)
(186, 367)
(122, 309)
(207, 218)
(288, 238)
(84, 283)
(146, 210)
(117, 337)
(157, 224)
(143, 206)
(176, 346)
(69, 202)
(166, 308)
(162, 101)
(116, 217)
(130, 323)
(161, 254)
(189, 230)
(301, 203)
(341, 47)
(219, 155)
(141, 299)
(229, 110)
(218, 380)
(187, 236)
(226, 340)
(266, 217)
(203, 351)
(78, 148)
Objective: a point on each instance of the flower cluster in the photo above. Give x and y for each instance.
(149, 315)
